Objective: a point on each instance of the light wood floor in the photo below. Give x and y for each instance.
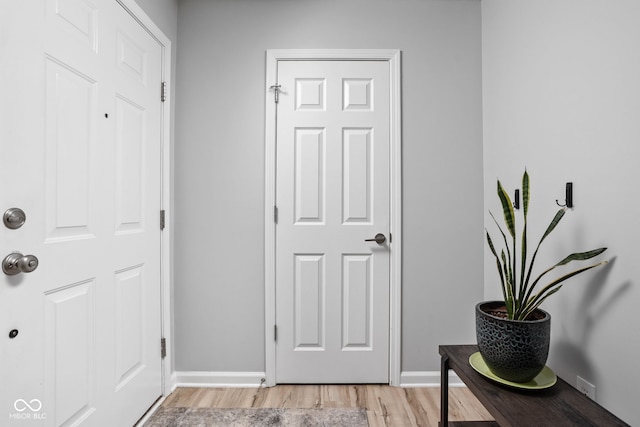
(386, 406)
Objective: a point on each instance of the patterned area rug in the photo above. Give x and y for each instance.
(255, 417)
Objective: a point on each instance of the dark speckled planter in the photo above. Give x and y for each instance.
(514, 350)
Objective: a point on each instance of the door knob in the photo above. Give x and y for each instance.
(379, 239)
(17, 263)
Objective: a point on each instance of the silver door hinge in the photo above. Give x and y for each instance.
(163, 347)
(163, 91)
(162, 219)
(275, 214)
(276, 92)
(275, 332)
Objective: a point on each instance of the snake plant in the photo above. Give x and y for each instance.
(518, 289)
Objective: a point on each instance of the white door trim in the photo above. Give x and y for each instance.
(392, 56)
(166, 199)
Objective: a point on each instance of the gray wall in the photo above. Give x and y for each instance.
(219, 188)
(164, 14)
(562, 97)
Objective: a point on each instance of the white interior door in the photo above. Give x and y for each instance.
(332, 194)
(80, 122)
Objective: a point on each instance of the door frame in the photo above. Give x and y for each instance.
(393, 57)
(166, 199)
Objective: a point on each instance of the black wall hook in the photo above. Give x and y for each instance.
(568, 200)
(516, 199)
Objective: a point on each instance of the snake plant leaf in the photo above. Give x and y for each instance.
(507, 210)
(529, 309)
(508, 269)
(523, 255)
(505, 267)
(510, 221)
(525, 193)
(500, 271)
(578, 256)
(554, 222)
(559, 280)
(581, 256)
(508, 288)
(523, 259)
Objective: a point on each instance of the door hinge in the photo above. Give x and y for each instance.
(275, 332)
(163, 91)
(162, 219)
(390, 238)
(275, 214)
(163, 347)
(276, 92)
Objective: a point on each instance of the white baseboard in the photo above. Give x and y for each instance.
(427, 379)
(217, 379)
(255, 379)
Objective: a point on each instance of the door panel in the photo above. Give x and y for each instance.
(357, 292)
(332, 193)
(69, 365)
(71, 98)
(129, 145)
(129, 324)
(309, 323)
(357, 185)
(80, 127)
(309, 176)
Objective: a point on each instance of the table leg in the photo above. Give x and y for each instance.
(444, 391)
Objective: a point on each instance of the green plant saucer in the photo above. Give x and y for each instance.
(544, 379)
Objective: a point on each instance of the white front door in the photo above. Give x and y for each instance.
(80, 122)
(332, 195)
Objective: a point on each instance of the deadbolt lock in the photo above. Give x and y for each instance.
(14, 218)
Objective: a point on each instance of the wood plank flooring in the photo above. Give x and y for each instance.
(386, 406)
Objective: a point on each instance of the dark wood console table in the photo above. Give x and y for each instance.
(559, 405)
